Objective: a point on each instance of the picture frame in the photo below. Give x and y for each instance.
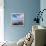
(17, 19)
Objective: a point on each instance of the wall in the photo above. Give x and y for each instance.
(43, 6)
(28, 7)
(1, 21)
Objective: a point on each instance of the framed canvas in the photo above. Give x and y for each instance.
(17, 18)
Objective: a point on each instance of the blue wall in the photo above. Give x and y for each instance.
(43, 6)
(28, 7)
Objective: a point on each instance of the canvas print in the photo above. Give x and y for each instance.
(17, 18)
